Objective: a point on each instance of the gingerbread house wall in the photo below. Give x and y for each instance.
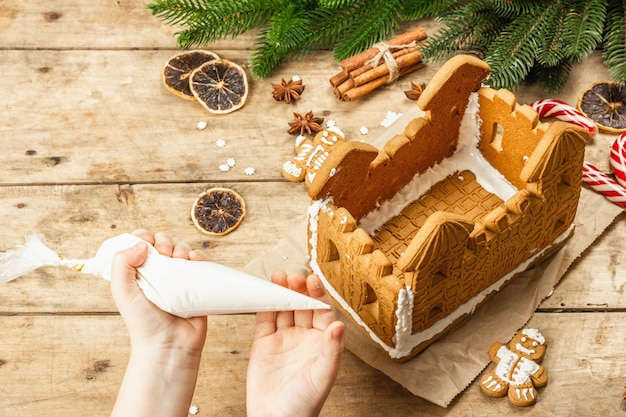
(425, 142)
(451, 259)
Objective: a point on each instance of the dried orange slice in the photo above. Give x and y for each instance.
(221, 86)
(605, 103)
(218, 211)
(177, 69)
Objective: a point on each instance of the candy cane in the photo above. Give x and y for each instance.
(563, 111)
(604, 185)
(592, 176)
(618, 159)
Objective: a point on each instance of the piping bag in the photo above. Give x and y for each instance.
(181, 287)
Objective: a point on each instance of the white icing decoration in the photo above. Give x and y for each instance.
(467, 157)
(390, 118)
(300, 139)
(534, 334)
(292, 169)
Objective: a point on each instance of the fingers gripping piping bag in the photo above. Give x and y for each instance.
(180, 287)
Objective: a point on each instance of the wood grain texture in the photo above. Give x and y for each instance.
(93, 145)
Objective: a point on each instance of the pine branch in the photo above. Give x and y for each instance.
(369, 22)
(286, 35)
(464, 28)
(512, 55)
(549, 35)
(553, 78)
(615, 41)
(418, 9)
(583, 27)
(337, 4)
(206, 21)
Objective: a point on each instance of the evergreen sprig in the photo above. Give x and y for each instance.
(522, 40)
(290, 28)
(533, 40)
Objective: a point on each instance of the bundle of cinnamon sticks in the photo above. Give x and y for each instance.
(364, 72)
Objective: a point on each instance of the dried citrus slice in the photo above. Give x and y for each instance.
(605, 103)
(218, 211)
(177, 69)
(221, 86)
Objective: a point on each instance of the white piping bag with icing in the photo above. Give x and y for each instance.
(180, 287)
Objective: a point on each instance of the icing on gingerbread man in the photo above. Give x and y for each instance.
(311, 154)
(517, 370)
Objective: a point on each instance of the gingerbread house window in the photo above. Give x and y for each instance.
(496, 137)
(441, 274)
(434, 313)
(371, 305)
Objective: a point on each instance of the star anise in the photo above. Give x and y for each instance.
(415, 92)
(307, 124)
(288, 91)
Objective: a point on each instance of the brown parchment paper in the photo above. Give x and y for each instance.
(448, 366)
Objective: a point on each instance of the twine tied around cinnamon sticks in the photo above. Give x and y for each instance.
(379, 65)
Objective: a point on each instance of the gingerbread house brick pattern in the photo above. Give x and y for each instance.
(413, 237)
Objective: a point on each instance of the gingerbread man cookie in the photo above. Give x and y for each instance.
(311, 154)
(517, 370)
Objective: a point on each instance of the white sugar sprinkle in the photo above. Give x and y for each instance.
(249, 171)
(193, 410)
(230, 162)
(331, 123)
(220, 143)
(390, 118)
(201, 125)
(364, 130)
(224, 168)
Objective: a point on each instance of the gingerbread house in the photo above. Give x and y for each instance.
(412, 237)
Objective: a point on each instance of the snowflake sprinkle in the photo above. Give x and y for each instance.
(390, 118)
(193, 410)
(220, 143)
(224, 168)
(201, 125)
(249, 171)
(330, 123)
(230, 162)
(364, 130)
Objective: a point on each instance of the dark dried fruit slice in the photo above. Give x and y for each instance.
(218, 211)
(178, 69)
(605, 103)
(221, 86)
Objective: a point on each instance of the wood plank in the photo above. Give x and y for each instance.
(70, 365)
(75, 220)
(103, 116)
(597, 280)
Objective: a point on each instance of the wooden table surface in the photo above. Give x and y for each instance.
(93, 145)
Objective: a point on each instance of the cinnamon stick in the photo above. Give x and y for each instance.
(358, 92)
(359, 60)
(396, 54)
(383, 69)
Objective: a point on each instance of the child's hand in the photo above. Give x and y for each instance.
(165, 349)
(295, 356)
(148, 325)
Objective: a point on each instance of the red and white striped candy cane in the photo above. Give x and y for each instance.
(563, 111)
(618, 159)
(603, 184)
(592, 176)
